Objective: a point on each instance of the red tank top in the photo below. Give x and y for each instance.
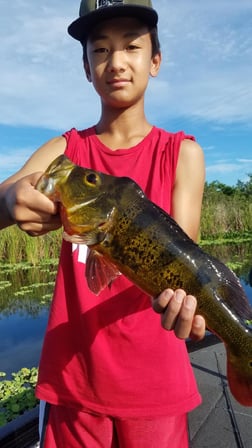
(108, 353)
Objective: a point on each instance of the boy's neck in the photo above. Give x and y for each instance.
(122, 128)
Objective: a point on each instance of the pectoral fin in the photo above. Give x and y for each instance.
(99, 272)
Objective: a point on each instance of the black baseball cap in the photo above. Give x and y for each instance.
(94, 11)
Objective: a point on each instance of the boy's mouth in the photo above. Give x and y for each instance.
(118, 81)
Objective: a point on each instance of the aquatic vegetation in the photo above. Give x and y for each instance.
(17, 394)
(25, 288)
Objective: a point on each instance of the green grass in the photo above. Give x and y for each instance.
(17, 246)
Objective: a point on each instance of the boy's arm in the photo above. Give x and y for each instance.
(189, 187)
(20, 203)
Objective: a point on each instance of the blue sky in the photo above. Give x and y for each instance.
(204, 86)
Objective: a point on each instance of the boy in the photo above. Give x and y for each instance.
(110, 373)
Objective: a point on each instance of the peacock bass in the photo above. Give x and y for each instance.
(129, 234)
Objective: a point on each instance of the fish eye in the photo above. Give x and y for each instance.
(250, 363)
(91, 179)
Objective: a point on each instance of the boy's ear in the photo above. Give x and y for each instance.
(155, 64)
(87, 71)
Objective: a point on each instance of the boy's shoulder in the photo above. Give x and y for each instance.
(179, 135)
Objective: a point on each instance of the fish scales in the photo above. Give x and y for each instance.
(168, 259)
(128, 233)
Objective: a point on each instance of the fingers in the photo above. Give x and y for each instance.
(198, 328)
(160, 303)
(179, 314)
(32, 211)
(40, 228)
(25, 196)
(177, 311)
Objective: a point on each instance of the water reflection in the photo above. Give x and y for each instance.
(21, 340)
(25, 289)
(25, 295)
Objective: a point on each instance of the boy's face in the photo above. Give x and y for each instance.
(119, 54)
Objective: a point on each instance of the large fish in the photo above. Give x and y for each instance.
(127, 233)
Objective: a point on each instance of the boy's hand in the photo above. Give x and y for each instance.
(33, 212)
(177, 311)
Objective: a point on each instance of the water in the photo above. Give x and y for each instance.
(20, 341)
(25, 294)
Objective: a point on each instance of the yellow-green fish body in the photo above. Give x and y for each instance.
(129, 234)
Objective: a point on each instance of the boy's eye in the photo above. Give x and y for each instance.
(100, 50)
(132, 47)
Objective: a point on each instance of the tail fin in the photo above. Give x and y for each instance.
(240, 381)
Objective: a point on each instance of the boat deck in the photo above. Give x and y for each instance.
(218, 422)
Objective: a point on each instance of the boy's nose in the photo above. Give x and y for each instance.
(117, 61)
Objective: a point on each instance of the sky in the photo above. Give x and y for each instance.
(204, 86)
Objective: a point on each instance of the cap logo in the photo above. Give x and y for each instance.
(105, 3)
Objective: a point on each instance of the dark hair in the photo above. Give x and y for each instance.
(154, 42)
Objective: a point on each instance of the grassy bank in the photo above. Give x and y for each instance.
(16, 246)
(225, 219)
(226, 211)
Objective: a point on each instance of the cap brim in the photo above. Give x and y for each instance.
(81, 27)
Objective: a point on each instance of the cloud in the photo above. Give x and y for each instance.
(240, 167)
(223, 168)
(228, 173)
(245, 161)
(208, 59)
(205, 73)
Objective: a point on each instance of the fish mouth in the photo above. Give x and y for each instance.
(45, 185)
(60, 168)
